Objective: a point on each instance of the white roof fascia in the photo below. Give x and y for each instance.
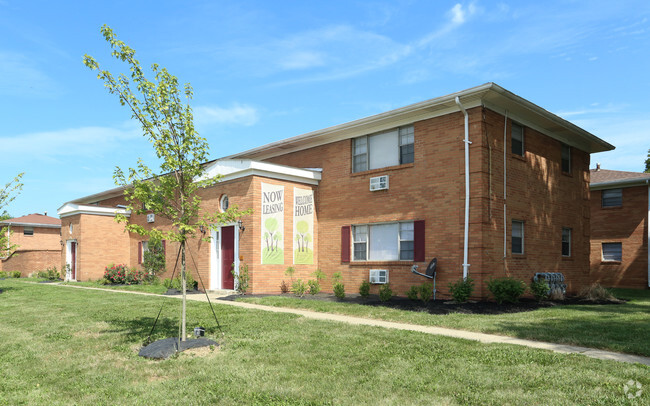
(11, 223)
(71, 209)
(231, 169)
(623, 183)
(489, 95)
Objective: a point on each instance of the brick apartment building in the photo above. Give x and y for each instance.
(620, 212)
(385, 192)
(38, 240)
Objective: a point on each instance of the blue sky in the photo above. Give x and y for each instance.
(263, 71)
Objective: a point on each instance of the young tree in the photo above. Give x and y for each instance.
(647, 163)
(7, 194)
(168, 123)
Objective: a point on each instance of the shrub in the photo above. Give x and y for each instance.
(462, 289)
(412, 293)
(299, 288)
(364, 289)
(506, 289)
(153, 259)
(284, 288)
(596, 293)
(425, 292)
(3, 274)
(385, 292)
(289, 272)
(540, 289)
(339, 290)
(242, 278)
(50, 273)
(176, 282)
(314, 286)
(320, 275)
(15, 274)
(116, 273)
(167, 283)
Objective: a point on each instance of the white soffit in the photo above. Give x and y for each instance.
(71, 209)
(231, 169)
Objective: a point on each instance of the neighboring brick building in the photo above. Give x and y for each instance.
(38, 240)
(620, 211)
(389, 192)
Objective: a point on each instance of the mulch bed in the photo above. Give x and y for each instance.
(444, 306)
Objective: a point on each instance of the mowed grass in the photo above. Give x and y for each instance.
(617, 327)
(74, 346)
(158, 289)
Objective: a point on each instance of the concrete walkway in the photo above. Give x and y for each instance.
(466, 335)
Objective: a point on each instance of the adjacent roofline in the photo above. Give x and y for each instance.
(489, 95)
(622, 183)
(71, 209)
(21, 224)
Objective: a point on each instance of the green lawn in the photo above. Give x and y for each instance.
(622, 328)
(158, 289)
(74, 346)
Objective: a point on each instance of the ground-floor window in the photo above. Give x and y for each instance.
(566, 242)
(612, 251)
(517, 237)
(383, 241)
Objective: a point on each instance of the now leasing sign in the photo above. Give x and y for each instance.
(303, 226)
(272, 224)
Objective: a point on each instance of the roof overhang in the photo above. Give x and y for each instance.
(231, 169)
(623, 183)
(71, 209)
(12, 223)
(489, 95)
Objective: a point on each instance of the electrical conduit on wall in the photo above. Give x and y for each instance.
(467, 142)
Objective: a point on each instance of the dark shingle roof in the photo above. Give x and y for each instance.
(606, 176)
(34, 219)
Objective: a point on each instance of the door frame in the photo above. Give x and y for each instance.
(215, 255)
(68, 259)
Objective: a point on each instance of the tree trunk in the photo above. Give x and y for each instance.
(184, 289)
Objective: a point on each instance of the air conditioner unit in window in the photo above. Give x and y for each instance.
(379, 183)
(379, 276)
(151, 218)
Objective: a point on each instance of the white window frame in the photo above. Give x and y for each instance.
(367, 230)
(609, 259)
(404, 131)
(512, 235)
(512, 137)
(566, 232)
(602, 197)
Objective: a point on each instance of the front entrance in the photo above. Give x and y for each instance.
(227, 257)
(71, 261)
(223, 253)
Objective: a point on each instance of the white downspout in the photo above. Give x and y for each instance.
(648, 227)
(467, 142)
(505, 179)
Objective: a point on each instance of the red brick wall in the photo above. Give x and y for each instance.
(627, 224)
(433, 189)
(28, 262)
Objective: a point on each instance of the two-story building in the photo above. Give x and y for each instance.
(485, 181)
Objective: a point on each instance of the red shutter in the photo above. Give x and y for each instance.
(164, 247)
(140, 252)
(418, 243)
(345, 244)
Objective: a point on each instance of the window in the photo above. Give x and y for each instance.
(566, 242)
(517, 237)
(383, 242)
(566, 158)
(28, 231)
(517, 139)
(612, 251)
(390, 148)
(223, 203)
(406, 144)
(612, 198)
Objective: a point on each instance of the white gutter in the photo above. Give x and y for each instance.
(467, 142)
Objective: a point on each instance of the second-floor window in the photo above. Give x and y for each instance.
(612, 198)
(566, 158)
(517, 139)
(28, 231)
(389, 148)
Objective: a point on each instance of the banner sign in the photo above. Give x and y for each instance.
(272, 224)
(303, 226)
